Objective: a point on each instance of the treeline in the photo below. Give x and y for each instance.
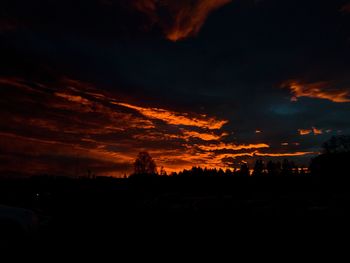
(333, 162)
(271, 168)
(145, 165)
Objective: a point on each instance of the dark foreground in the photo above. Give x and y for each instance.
(84, 211)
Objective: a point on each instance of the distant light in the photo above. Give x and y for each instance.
(294, 99)
(258, 131)
(317, 131)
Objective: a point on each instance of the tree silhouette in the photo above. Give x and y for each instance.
(337, 144)
(163, 172)
(258, 168)
(271, 170)
(287, 168)
(144, 164)
(333, 164)
(244, 170)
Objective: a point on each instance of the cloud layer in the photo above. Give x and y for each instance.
(319, 90)
(72, 127)
(175, 19)
(179, 19)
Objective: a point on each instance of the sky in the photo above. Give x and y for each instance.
(87, 85)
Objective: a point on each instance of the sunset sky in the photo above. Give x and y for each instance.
(87, 85)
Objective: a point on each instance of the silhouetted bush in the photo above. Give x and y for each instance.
(144, 164)
(334, 163)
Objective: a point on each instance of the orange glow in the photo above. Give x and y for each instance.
(80, 122)
(85, 127)
(235, 155)
(284, 154)
(319, 90)
(313, 131)
(316, 131)
(15, 82)
(188, 20)
(304, 132)
(186, 17)
(72, 98)
(234, 147)
(261, 154)
(84, 157)
(203, 136)
(175, 118)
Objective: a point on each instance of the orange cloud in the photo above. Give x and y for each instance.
(284, 154)
(80, 121)
(72, 122)
(73, 98)
(313, 131)
(318, 90)
(257, 153)
(203, 136)
(317, 131)
(234, 147)
(40, 156)
(175, 118)
(184, 18)
(15, 82)
(304, 132)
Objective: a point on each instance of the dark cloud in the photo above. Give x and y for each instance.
(175, 20)
(320, 90)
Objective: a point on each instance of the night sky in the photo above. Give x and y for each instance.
(86, 85)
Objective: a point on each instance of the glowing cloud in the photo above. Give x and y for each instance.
(73, 98)
(203, 136)
(261, 154)
(313, 131)
(257, 153)
(184, 18)
(318, 90)
(304, 132)
(175, 118)
(234, 147)
(284, 154)
(73, 121)
(317, 131)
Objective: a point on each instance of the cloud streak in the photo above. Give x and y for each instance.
(313, 131)
(175, 118)
(178, 19)
(317, 90)
(234, 147)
